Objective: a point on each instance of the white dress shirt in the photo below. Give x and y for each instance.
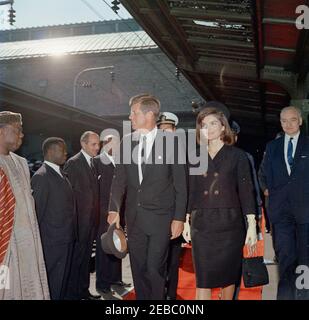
(54, 166)
(150, 137)
(86, 155)
(286, 143)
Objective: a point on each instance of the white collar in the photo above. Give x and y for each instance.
(53, 166)
(295, 137)
(151, 134)
(86, 155)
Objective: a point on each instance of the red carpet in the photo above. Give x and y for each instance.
(186, 284)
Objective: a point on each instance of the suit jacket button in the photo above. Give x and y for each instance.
(138, 204)
(216, 174)
(139, 190)
(216, 192)
(205, 192)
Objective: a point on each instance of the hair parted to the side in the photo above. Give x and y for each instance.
(147, 102)
(296, 109)
(85, 136)
(227, 135)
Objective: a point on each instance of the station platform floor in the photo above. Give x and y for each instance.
(268, 293)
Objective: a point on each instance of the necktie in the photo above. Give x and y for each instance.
(7, 208)
(143, 154)
(92, 167)
(290, 152)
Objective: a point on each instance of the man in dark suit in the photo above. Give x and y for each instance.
(108, 267)
(156, 198)
(55, 208)
(168, 122)
(287, 178)
(84, 179)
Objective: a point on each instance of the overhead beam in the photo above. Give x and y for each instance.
(218, 42)
(220, 67)
(214, 30)
(278, 21)
(210, 15)
(271, 48)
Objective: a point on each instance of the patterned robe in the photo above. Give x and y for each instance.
(23, 263)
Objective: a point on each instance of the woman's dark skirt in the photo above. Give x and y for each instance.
(218, 237)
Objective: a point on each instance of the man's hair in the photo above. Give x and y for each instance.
(85, 136)
(291, 108)
(148, 103)
(51, 142)
(8, 117)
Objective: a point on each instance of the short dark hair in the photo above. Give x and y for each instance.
(50, 142)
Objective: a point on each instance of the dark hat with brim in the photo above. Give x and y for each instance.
(219, 106)
(114, 241)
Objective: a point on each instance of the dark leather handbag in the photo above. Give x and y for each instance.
(254, 272)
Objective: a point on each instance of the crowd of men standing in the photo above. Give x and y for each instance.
(47, 243)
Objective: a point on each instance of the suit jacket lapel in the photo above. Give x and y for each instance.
(134, 164)
(51, 171)
(86, 166)
(281, 159)
(152, 155)
(298, 151)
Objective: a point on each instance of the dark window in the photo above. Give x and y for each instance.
(128, 26)
(39, 34)
(4, 37)
(60, 32)
(105, 28)
(79, 31)
(19, 36)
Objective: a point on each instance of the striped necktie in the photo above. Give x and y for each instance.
(7, 208)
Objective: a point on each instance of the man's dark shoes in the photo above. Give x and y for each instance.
(91, 296)
(103, 291)
(122, 284)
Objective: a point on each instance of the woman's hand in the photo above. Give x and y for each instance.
(251, 238)
(187, 230)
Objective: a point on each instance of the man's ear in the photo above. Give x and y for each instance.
(149, 115)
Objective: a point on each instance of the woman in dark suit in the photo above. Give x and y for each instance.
(219, 199)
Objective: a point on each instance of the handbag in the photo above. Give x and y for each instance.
(254, 272)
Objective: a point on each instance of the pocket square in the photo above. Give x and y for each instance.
(303, 156)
